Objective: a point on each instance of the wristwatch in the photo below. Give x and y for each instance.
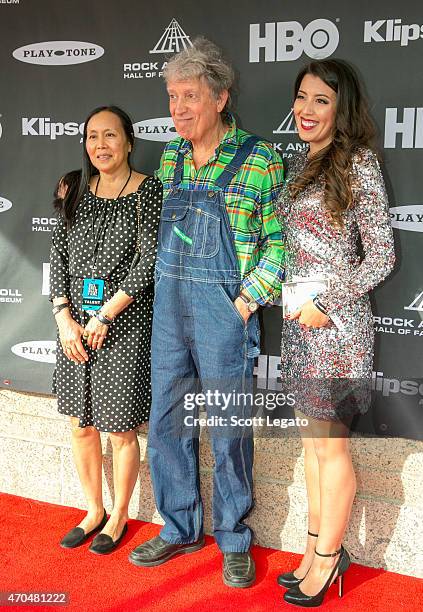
(251, 304)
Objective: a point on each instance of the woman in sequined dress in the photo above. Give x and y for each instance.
(335, 212)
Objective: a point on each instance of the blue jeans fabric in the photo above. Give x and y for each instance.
(200, 342)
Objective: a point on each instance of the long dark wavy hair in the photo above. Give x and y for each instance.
(353, 128)
(68, 205)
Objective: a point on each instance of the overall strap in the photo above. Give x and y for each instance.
(239, 158)
(179, 169)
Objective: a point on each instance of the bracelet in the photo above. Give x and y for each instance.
(319, 305)
(59, 307)
(103, 319)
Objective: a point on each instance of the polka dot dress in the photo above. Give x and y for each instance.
(111, 391)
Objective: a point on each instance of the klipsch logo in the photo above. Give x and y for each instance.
(172, 40)
(161, 129)
(58, 53)
(391, 30)
(36, 350)
(5, 204)
(409, 218)
(409, 127)
(44, 126)
(285, 41)
(389, 386)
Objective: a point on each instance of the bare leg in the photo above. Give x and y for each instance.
(337, 490)
(86, 448)
(311, 468)
(126, 465)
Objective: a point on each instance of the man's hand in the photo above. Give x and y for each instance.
(242, 308)
(309, 316)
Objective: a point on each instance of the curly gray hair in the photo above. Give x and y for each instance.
(203, 60)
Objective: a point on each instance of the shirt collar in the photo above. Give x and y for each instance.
(229, 138)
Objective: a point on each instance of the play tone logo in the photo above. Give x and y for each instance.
(58, 53)
(161, 129)
(5, 204)
(408, 218)
(36, 350)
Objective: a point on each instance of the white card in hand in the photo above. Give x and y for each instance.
(298, 291)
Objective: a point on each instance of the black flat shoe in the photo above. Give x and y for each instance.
(296, 597)
(77, 536)
(289, 579)
(239, 569)
(156, 551)
(104, 544)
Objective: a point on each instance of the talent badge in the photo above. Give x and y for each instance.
(92, 294)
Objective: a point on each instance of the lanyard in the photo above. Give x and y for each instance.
(100, 225)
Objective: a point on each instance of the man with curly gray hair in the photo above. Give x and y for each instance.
(219, 259)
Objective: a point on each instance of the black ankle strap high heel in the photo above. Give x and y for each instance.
(296, 597)
(289, 579)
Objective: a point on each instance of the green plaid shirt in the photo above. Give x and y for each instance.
(249, 197)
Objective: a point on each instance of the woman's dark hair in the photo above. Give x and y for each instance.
(66, 188)
(72, 197)
(353, 128)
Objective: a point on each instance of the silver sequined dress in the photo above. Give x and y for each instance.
(315, 248)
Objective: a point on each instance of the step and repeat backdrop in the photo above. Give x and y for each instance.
(61, 58)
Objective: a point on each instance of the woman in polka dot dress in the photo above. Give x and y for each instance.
(107, 231)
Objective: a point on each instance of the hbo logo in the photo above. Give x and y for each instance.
(285, 41)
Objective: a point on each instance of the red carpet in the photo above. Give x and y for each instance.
(31, 560)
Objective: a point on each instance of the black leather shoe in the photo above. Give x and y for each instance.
(239, 569)
(289, 579)
(104, 544)
(157, 551)
(77, 536)
(297, 598)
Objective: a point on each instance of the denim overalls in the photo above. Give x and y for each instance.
(200, 342)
